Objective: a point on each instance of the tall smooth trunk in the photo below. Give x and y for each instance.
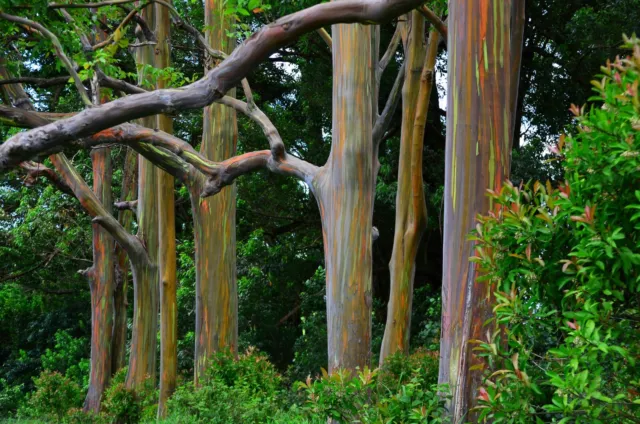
(101, 277)
(167, 237)
(484, 61)
(411, 211)
(215, 219)
(344, 189)
(142, 356)
(125, 217)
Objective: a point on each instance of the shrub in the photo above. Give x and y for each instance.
(245, 390)
(55, 394)
(402, 392)
(124, 405)
(564, 266)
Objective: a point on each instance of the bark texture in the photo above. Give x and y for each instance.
(215, 218)
(142, 356)
(166, 236)
(344, 189)
(125, 218)
(484, 58)
(411, 211)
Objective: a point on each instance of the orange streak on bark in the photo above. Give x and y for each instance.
(344, 189)
(215, 220)
(476, 160)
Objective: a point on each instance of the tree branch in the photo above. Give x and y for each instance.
(384, 120)
(326, 37)
(59, 52)
(88, 5)
(35, 170)
(95, 209)
(38, 82)
(228, 74)
(432, 18)
(391, 50)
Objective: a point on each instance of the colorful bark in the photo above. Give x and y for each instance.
(411, 211)
(142, 356)
(166, 237)
(483, 63)
(344, 188)
(215, 219)
(125, 217)
(101, 282)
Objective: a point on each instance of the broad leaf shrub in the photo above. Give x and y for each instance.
(55, 394)
(564, 267)
(246, 390)
(402, 391)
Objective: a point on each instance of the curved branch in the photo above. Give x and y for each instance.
(35, 170)
(391, 50)
(88, 5)
(256, 115)
(384, 120)
(204, 92)
(38, 82)
(59, 52)
(21, 118)
(435, 20)
(130, 243)
(326, 37)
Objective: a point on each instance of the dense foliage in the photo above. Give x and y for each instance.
(565, 266)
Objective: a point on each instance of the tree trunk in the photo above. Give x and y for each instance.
(411, 212)
(142, 356)
(344, 188)
(167, 237)
(215, 219)
(483, 67)
(125, 217)
(101, 281)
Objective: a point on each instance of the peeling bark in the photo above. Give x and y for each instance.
(166, 239)
(125, 218)
(215, 219)
(411, 211)
(484, 58)
(344, 189)
(142, 356)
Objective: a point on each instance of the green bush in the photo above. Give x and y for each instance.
(403, 391)
(564, 266)
(123, 405)
(246, 390)
(55, 394)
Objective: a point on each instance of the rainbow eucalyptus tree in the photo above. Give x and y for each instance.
(215, 217)
(411, 212)
(484, 48)
(344, 186)
(166, 233)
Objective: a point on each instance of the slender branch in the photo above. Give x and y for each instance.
(432, 18)
(38, 82)
(17, 117)
(326, 37)
(59, 52)
(35, 170)
(92, 205)
(131, 205)
(391, 51)
(118, 30)
(213, 86)
(88, 5)
(256, 115)
(117, 84)
(384, 120)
